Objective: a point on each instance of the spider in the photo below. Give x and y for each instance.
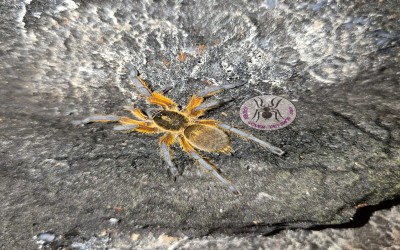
(182, 126)
(267, 111)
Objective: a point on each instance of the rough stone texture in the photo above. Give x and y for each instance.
(63, 60)
(381, 232)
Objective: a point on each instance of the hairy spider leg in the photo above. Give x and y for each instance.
(245, 135)
(156, 98)
(128, 127)
(212, 104)
(137, 113)
(138, 82)
(147, 127)
(98, 118)
(165, 149)
(194, 102)
(164, 89)
(206, 165)
(195, 106)
(161, 100)
(126, 123)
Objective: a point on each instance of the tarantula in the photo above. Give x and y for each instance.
(182, 126)
(266, 111)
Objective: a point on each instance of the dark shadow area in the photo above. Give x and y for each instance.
(360, 219)
(362, 215)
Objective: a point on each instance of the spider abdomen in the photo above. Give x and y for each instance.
(207, 138)
(170, 120)
(266, 114)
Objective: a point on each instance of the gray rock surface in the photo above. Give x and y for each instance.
(381, 232)
(338, 62)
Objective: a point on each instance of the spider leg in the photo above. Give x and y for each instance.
(165, 149)
(275, 114)
(150, 112)
(161, 100)
(276, 105)
(141, 85)
(137, 113)
(206, 165)
(214, 171)
(98, 118)
(272, 101)
(125, 127)
(156, 98)
(245, 135)
(165, 89)
(126, 123)
(212, 104)
(193, 103)
(209, 122)
(193, 109)
(216, 89)
(262, 102)
(258, 105)
(256, 113)
(147, 127)
(279, 113)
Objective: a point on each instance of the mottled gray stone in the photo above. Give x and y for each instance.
(381, 232)
(338, 62)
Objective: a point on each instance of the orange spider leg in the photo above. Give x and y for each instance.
(138, 82)
(159, 99)
(126, 123)
(147, 130)
(209, 122)
(197, 108)
(98, 118)
(126, 120)
(206, 165)
(165, 149)
(138, 126)
(137, 113)
(156, 98)
(193, 103)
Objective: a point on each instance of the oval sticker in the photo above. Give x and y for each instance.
(267, 112)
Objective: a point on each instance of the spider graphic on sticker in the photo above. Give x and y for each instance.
(268, 112)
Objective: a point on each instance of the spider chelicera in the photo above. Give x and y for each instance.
(182, 126)
(267, 110)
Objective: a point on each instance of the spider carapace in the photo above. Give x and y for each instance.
(182, 126)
